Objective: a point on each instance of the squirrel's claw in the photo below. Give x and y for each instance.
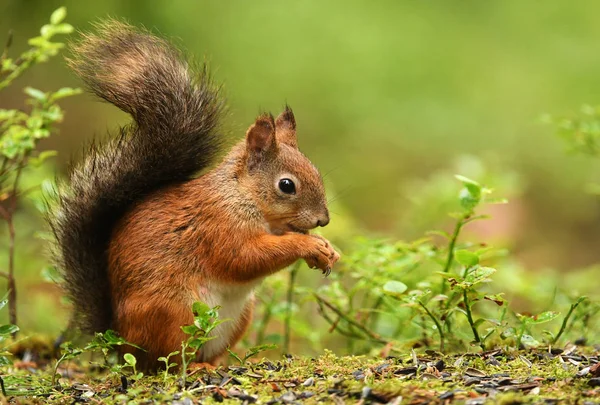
(327, 271)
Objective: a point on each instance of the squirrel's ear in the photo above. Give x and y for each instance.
(285, 127)
(260, 137)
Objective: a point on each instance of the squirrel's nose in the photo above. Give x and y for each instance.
(324, 220)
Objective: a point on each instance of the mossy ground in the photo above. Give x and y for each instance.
(506, 377)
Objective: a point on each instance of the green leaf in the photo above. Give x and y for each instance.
(467, 181)
(468, 200)
(35, 93)
(508, 333)
(58, 15)
(545, 317)
(260, 348)
(34, 122)
(47, 31)
(395, 287)
(38, 42)
(51, 274)
(497, 298)
(529, 341)
(130, 359)
(466, 258)
(36, 161)
(8, 329)
(64, 92)
(197, 343)
(470, 195)
(480, 274)
(479, 321)
(199, 308)
(63, 29)
(189, 329)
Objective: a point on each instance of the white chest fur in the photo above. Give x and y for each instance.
(232, 299)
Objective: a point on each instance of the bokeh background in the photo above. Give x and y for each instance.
(391, 97)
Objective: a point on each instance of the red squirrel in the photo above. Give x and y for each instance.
(142, 234)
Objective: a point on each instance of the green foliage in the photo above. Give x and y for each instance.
(437, 290)
(206, 319)
(42, 49)
(105, 343)
(21, 131)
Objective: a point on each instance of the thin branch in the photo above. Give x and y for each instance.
(437, 325)
(4, 213)
(9, 39)
(373, 336)
(335, 324)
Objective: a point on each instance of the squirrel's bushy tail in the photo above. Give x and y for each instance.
(174, 135)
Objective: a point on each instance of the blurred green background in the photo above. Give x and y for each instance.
(391, 99)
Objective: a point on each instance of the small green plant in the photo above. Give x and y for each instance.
(21, 131)
(168, 364)
(105, 343)
(131, 361)
(69, 352)
(251, 352)
(206, 319)
(566, 319)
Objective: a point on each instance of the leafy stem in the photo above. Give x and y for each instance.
(470, 319)
(437, 324)
(451, 246)
(566, 319)
(290, 302)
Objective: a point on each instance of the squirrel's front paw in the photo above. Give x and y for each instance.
(321, 255)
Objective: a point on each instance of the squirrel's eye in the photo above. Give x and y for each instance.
(287, 186)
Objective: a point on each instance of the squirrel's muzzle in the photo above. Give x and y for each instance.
(324, 219)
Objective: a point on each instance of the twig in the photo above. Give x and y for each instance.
(351, 321)
(12, 285)
(335, 324)
(8, 44)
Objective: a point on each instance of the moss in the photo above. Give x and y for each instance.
(498, 377)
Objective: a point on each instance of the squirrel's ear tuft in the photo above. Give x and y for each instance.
(285, 127)
(260, 137)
